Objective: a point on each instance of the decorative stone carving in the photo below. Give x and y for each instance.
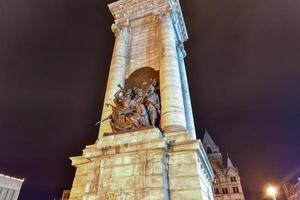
(122, 10)
(115, 196)
(135, 108)
(135, 7)
(118, 26)
(178, 21)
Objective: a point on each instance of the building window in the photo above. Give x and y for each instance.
(208, 150)
(225, 190)
(236, 190)
(217, 191)
(233, 179)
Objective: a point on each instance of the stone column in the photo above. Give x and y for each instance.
(172, 107)
(117, 71)
(186, 93)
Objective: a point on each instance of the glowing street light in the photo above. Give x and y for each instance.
(272, 192)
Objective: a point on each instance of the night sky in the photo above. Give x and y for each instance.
(243, 66)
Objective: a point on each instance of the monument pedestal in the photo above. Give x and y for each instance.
(141, 165)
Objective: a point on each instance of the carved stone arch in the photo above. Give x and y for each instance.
(141, 75)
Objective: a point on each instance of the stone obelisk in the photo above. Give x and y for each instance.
(164, 160)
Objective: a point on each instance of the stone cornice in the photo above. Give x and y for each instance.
(178, 21)
(78, 160)
(123, 10)
(10, 182)
(131, 9)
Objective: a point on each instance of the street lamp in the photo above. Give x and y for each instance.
(272, 192)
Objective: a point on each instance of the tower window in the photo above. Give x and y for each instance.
(217, 191)
(233, 179)
(236, 190)
(208, 150)
(225, 190)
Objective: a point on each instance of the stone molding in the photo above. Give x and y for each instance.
(178, 21)
(10, 182)
(181, 50)
(123, 10)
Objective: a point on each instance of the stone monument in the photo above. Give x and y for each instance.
(147, 147)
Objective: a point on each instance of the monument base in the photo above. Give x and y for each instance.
(142, 165)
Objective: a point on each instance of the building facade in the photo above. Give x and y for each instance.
(10, 187)
(292, 191)
(160, 161)
(227, 182)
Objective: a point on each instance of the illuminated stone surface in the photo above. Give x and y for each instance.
(10, 187)
(161, 163)
(150, 33)
(142, 165)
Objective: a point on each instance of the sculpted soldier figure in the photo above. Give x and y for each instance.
(133, 109)
(140, 107)
(119, 120)
(123, 97)
(152, 103)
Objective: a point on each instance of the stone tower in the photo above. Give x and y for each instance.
(134, 161)
(227, 183)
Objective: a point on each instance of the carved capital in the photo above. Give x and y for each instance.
(118, 26)
(166, 11)
(162, 13)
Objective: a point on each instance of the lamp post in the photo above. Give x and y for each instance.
(272, 192)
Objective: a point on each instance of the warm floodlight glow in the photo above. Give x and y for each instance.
(272, 192)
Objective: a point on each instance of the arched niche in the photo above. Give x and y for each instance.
(141, 75)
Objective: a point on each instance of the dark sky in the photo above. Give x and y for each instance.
(243, 67)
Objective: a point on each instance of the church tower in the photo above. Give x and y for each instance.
(212, 150)
(227, 183)
(147, 147)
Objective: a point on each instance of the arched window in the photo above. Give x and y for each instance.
(217, 191)
(208, 150)
(233, 179)
(235, 190)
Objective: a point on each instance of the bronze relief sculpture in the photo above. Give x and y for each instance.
(135, 108)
